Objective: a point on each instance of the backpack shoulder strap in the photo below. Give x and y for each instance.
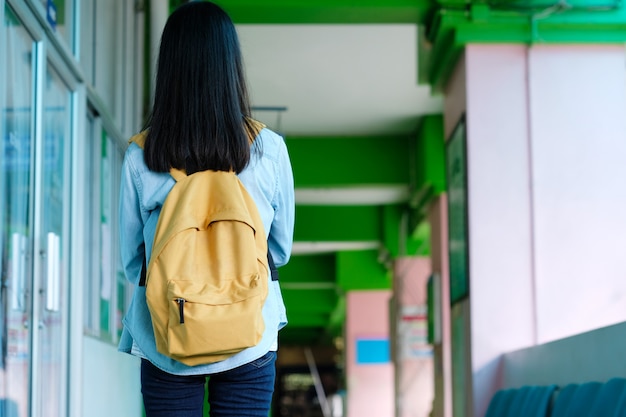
(253, 127)
(139, 139)
(177, 174)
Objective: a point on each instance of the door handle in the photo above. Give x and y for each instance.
(19, 244)
(53, 273)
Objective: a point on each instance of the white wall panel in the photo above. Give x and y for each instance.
(499, 200)
(111, 381)
(499, 215)
(578, 119)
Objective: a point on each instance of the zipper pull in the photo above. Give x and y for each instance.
(181, 305)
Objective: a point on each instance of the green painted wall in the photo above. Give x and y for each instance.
(337, 223)
(361, 270)
(326, 161)
(309, 268)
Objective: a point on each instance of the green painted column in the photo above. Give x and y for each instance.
(429, 169)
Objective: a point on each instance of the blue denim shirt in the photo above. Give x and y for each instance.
(269, 180)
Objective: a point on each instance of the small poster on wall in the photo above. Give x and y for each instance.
(456, 175)
(413, 333)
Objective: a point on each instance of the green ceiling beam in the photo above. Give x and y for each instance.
(362, 270)
(341, 161)
(457, 23)
(337, 223)
(325, 11)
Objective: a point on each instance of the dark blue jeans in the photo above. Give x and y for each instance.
(245, 391)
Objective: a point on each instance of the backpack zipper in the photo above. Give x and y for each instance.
(181, 304)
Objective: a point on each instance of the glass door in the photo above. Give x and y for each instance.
(52, 224)
(35, 127)
(16, 183)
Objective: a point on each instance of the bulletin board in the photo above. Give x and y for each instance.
(456, 176)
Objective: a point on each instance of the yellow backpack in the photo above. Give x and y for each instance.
(207, 278)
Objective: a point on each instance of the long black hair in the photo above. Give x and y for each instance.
(200, 118)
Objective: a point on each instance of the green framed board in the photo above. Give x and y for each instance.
(456, 175)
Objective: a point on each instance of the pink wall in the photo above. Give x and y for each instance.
(410, 278)
(370, 386)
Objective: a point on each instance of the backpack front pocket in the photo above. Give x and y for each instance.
(205, 324)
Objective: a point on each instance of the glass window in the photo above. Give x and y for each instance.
(113, 300)
(16, 130)
(106, 241)
(108, 293)
(91, 290)
(60, 17)
(122, 289)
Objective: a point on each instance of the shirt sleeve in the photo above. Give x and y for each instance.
(131, 224)
(281, 232)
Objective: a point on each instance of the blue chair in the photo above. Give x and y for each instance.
(620, 406)
(516, 406)
(608, 398)
(563, 398)
(500, 402)
(537, 402)
(581, 401)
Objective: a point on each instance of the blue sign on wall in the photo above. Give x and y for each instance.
(51, 14)
(372, 351)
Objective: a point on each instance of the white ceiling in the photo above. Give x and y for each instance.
(336, 79)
